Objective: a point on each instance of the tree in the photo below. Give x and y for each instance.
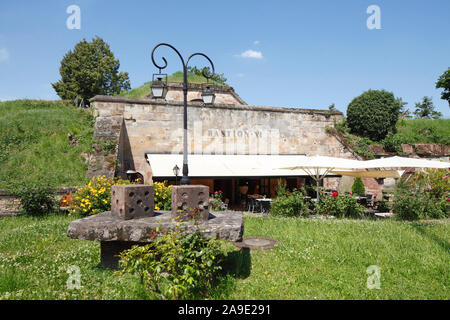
(373, 114)
(426, 109)
(444, 83)
(90, 69)
(358, 186)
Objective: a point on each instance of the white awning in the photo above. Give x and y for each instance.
(226, 165)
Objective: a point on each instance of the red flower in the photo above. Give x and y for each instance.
(448, 199)
(445, 177)
(334, 194)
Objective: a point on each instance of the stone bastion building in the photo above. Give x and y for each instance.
(146, 136)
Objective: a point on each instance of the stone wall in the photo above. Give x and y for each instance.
(140, 126)
(422, 150)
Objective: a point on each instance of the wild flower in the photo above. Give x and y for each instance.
(95, 197)
(162, 195)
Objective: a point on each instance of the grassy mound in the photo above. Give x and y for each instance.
(424, 131)
(144, 90)
(34, 145)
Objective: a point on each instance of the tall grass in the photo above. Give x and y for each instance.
(413, 131)
(34, 144)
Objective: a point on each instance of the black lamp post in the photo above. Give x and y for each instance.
(185, 178)
(176, 171)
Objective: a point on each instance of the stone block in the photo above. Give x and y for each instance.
(407, 148)
(190, 201)
(132, 201)
(428, 149)
(377, 149)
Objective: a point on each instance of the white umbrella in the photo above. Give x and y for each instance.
(369, 174)
(317, 167)
(401, 162)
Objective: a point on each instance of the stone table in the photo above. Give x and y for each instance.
(116, 234)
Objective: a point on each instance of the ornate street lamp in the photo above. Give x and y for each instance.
(208, 95)
(185, 178)
(176, 172)
(159, 87)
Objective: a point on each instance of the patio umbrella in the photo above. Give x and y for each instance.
(317, 167)
(388, 167)
(369, 174)
(402, 162)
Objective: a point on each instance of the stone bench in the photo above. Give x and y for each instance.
(116, 234)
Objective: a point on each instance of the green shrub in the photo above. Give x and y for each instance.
(358, 186)
(391, 143)
(35, 199)
(408, 207)
(415, 207)
(289, 205)
(373, 114)
(340, 206)
(361, 146)
(175, 265)
(423, 196)
(342, 126)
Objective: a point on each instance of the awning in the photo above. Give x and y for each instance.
(202, 166)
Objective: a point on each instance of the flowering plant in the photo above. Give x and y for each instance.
(163, 195)
(341, 206)
(423, 196)
(95, 197)
(218, 195)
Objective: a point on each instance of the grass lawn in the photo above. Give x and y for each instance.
(315, 259)
(34, 144)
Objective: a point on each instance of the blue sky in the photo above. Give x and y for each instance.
(306, 54)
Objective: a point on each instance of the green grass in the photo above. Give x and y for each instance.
(413, 131)
(34, 143)
(315, 259)
(327, 259)
(144, 90)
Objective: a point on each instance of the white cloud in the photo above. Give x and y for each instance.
(256, 42)
(4, 55)
(252, 54)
